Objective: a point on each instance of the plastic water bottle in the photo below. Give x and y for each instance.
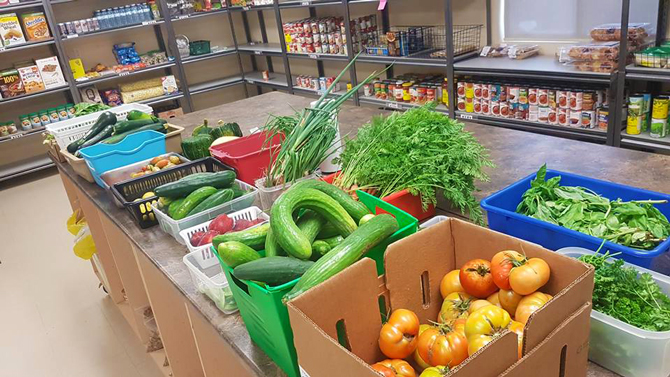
(115, 19)
(148, 14)
(137, 18)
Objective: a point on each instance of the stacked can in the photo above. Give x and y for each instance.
(316, 36)
(659, 117)
(409, 88)
(364, 32)
(636, 114)
(316, 83)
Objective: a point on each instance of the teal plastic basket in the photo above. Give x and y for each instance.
(261, 307)
(137, 147)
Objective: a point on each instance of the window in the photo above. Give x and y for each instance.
(566, 20)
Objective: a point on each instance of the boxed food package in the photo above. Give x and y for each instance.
(90, 94)
(10, 30)
(10, 84)
(556, 336)
(31, 78)
(141, 84)
(35, 25)
(52, 75)
(77, 67)
(169, 85)
(141, 94)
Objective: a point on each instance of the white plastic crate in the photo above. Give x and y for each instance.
(432, 221)
(212, 283)
(173, 227)
(204, 256)
(69, 130)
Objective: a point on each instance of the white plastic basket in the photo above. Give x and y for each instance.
(432, 221)
(69, 130)
(211, 282)
(173, 227)
(204, 256)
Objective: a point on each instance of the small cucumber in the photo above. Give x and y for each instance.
(272, 248)
(327, 231)
(310, 224)
(345, 254)
(353, 207)
(172, 208)
(192, 201)
(235, 253)
(186, 185)
(252, 237)
(319, 249)
(272, 271)
(216, 199)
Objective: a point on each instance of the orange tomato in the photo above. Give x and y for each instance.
(484, 325)
(476, 278)
(529, 305)
(478, 305)
(494, 299)
(509, 300)
(398, 336)
(417, 358)
(529, 277)
(443, 345)
(450, 283)
(502, 264)
(517, 327)
(454, 306)
(394, 368)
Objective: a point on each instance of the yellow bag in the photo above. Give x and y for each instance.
(84, 247)
(75, 222)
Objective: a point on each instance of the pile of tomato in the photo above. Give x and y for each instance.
(481, 301)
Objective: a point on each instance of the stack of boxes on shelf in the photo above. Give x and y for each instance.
(33, 27)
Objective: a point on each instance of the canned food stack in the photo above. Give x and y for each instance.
(578, 108)
(647, 114)
(410, 88)
(325, 35)
(316, 83)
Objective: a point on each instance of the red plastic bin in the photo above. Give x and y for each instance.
(401, 199)
(249, 155)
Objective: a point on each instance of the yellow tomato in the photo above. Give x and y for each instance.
(451, 283)
(509, 300)
(529, 305)
(476, 305)
(494, 299)
(517, 327)
(489, 320)
(529, 277)
(439, 371)
(417, 358)
(454, 306)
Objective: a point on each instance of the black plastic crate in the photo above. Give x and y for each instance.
(142, 210)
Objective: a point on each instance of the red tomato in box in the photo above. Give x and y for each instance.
(476, 278)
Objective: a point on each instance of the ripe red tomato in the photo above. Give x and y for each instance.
(501, 266)
(398, 336)
(476, 278)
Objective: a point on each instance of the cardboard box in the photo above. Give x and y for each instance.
(35, 25)
(11, 84)
(77, 67)
(10, 30)
(52, 75)
(31, 78)
(171, 113)
(556, 335)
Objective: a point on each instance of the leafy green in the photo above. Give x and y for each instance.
(624, 294)
(637, 224)
(420, 150)
(85, 108)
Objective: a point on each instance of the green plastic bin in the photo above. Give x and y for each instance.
(263, 312)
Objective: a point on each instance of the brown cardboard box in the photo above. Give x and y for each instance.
(171, 113)
(555, 338)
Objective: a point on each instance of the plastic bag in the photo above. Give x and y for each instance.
(75, 222)
(84, 247)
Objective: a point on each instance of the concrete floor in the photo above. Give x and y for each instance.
(54, 320)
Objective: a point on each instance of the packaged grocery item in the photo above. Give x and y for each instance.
(141, 84)
(35, 120)
(53, 115)
(70, 110)
(31, 78)
(11, 84)
(77, 67)
(519, 52)
(591, 51)
(62, 113)
(633, 124)
(653, 57)
(11, 127)
(3, 130)
(659, 128)
(601, 66)
(51, 73)
(612, 31)
(35, 25)
(10, 30)
(575, 118)
(660, 107)
(24, 122)
(90, 94)
(588, 119)
(603, 118)
(170, 85)
(112, 97)
(141, 94)
(44, 117)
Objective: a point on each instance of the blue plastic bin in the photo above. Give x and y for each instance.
(134, 148)
(502, 217)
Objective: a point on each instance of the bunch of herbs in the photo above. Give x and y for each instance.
(637, 224)
(624, 294)
(420, 150)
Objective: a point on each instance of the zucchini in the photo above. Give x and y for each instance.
(252, 237)
(187, 185)
(192, 201)
(345, 254)
(102, 135)
(129, 125)
(105, 119)
(310, 224)
(288, 235)
(353, 207)
(216, 199)
(235, 253)
(174, 205)
(117, 138)
(272, 271)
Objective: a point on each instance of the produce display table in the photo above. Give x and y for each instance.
(144, 267)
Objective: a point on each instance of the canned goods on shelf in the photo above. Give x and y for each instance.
(575, 118)
(659, 128)
(588, 119)
(603, 118)
(633, 124)
(660, 107)
(532, 96)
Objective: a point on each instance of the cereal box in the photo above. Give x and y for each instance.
(10, 30)
(31, 78)
(35, 25)
(51, 73)
(10, 84)
(169, 85)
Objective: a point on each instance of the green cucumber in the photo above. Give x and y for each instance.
(252, 237)
(216, 199)
(186, 185)
(235, 253)
(353, 207)
(328, 231)
(102, 135)
(345, 254)
(136, 114)
(310, 224)
(287, 233)
(272, 271)
(117, 138)
(192, 201)
(174, 205)
(319, 249)
(333, 241)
